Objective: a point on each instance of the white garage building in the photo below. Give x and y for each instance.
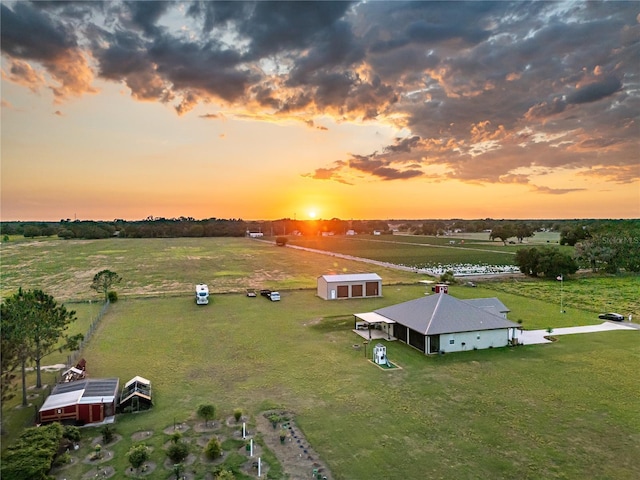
(352, 285)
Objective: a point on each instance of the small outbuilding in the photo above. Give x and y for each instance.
(136, 394)
(81, 402)
(353, 285)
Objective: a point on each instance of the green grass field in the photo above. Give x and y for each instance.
(567, 410)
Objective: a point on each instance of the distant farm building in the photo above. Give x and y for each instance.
(441, 323)
(353, 285)
(81, 402)
(255, 234)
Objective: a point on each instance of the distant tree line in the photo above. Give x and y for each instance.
(158, 227)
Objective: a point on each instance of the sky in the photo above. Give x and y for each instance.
(350, 110)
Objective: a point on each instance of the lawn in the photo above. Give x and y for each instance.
(564, 410)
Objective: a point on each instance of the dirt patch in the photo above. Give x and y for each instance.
(295, 454)
(141, 436)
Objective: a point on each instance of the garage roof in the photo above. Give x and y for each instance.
(352, 277)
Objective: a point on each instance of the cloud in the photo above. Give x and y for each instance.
(333, 173)
(22, 73)
(481, 91)
(595, 91)
(556, 191)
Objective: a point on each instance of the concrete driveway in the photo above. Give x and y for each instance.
(531, 337)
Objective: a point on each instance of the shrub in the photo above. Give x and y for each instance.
(177, 452)
(225, 475)
(62, 460)
(175, 437)
(108, 432)
(71, 433)
(281, 241)
(112, 296)
(213, 449)
(237, 414)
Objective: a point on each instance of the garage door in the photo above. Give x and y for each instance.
(343, 291)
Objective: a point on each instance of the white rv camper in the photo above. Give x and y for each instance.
(202, 294)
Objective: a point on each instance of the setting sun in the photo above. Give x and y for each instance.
(312, 214)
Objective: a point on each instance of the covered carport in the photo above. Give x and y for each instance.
(372, 326)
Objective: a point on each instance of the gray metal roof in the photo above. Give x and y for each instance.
(487, 303)
(442, 313)
(352, 277)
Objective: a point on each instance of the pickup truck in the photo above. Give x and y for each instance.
(273, 296)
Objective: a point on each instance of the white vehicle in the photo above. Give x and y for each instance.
(274, 296)
(202, 294)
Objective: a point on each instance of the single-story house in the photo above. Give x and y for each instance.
(136, 394)
(81, 402)
(352, 285)
(441, 323)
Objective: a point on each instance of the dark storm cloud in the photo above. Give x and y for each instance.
(274, 27)
(595, 91)
(480, 89)
(381, 169)
(146, 14)
(28, 33)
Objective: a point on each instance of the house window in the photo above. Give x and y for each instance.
(478, 337)
(452, 341)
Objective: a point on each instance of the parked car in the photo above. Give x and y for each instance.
(251, 292)
(616, 317)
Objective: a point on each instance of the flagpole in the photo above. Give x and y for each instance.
(561, 292)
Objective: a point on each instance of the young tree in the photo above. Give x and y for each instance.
(103, 281)
(178, 452)
(213, 449)
(206, 411)
(137, 455)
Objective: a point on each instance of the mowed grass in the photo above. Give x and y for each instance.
(565, 410)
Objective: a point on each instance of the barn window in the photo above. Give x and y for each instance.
(59, 410)
(478, 337)
(452, 341)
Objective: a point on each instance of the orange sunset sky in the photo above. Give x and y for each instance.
(335, 109)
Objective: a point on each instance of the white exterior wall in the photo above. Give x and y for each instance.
(488, 338)
(323, 291)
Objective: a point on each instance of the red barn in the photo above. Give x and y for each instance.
(81, 402)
